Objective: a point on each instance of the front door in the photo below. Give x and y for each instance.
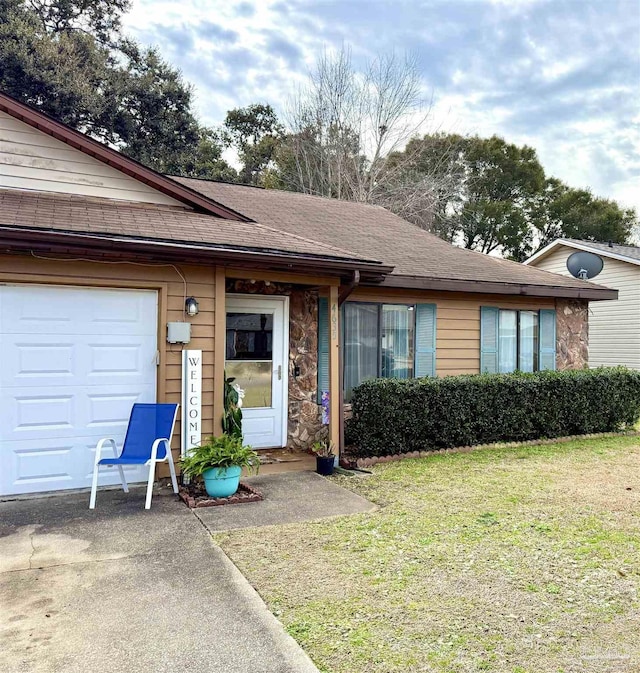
(257, 356)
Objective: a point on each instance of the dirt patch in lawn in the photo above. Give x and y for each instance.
(521, 560)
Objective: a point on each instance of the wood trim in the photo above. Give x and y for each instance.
(219, 341)
(334, 369)
(113, 158)
(163, 307)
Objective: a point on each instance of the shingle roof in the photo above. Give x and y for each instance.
(632, 252)
(86, 215)
(376, 233)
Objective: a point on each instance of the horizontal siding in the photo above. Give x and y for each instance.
(614, 326)
(171, 292)
(31, 159)
(457, 321)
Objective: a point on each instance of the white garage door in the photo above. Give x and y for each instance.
(72, 363)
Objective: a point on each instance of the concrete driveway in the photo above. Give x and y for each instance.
(124, 589)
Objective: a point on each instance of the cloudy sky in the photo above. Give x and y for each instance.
(560, 75)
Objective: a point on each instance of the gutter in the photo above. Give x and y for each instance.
(594, 293)
(18, 238)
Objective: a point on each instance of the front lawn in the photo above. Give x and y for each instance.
(519, 560)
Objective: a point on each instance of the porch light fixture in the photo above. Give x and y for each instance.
(411, 308)
(191, 307)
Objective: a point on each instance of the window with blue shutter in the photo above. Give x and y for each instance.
(511, 339)
(323, 346)
(547, 339)
(489, 339)
(425, 357)
(387, 340)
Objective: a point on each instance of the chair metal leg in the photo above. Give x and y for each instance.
(94, 487)
(172, 469)
(152, 474)
(125, 487)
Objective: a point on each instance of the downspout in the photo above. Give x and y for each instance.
(342, 297)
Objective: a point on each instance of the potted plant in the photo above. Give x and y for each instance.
(325, 456)
(219, 461)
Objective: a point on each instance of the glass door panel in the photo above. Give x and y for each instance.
(249, 356)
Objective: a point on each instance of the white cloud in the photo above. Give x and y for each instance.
(560, 75)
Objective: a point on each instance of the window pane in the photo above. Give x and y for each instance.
(254, 378)
(249, 357)
(507, 341)
(249, 336)
(397, 341)
(361, 341)
(528, 341)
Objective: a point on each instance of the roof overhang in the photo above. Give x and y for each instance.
(554, 245)
(111, 157)
(107, 246)
(489, 287)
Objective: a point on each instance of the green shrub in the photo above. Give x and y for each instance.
(397, 416)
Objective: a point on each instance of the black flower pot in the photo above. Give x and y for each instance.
(324, 465)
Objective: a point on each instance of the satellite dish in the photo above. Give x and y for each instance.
(584, 265)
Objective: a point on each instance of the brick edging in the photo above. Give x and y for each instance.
(369, 462)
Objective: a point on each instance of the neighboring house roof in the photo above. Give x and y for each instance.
(64, 214)
(420, 259)
(624, 253)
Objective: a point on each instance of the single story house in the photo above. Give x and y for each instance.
(119, 284)
(614, 326)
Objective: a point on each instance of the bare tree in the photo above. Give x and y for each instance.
(350, 132)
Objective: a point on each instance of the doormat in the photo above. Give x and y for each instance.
(193, 495)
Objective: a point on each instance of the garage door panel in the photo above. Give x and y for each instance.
(24, 312)
(35, 468)
(111, 410)
(71, 311)
(119, 358)
(37, 360)
(67, 412)
(117, 312)
(73, 361)
(38, 414)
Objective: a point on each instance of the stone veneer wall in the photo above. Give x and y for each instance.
(572, 334)
(305, 419)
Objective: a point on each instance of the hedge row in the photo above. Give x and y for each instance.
(398, 416)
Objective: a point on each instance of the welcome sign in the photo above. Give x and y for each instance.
(191, 399)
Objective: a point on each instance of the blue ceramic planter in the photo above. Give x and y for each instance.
(221, 482)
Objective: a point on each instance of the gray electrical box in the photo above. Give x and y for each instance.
(178, 332)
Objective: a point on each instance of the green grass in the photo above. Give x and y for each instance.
(521, 560)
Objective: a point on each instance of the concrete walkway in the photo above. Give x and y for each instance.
(121, 589)
(288, 498)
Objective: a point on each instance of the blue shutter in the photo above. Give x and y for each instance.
(489, 339)
(547, 339)
(323, 346)
(425, 340)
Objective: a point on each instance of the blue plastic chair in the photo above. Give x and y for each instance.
(147, 442)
